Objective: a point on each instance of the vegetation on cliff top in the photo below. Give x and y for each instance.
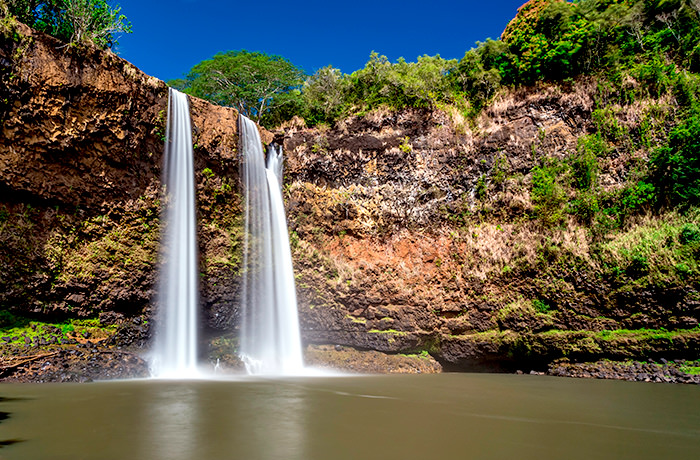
(73, 21)
(637, 49)
(260, 86)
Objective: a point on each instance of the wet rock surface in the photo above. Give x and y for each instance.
(83, 363)
(347, 359)
(658, 372)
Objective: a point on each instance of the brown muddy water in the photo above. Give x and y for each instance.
(450, 416)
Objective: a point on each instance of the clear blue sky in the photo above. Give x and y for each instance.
(169, 37)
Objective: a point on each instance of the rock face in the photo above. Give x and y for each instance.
(80, 165)
(412, 231)
(417, 231)
(75, 365)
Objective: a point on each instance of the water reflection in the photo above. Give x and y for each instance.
(174, 415)
(4, 416)
(214, 420)
(275, 423)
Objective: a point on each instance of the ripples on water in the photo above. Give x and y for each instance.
(464, 416)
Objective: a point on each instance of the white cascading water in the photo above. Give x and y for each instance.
(270, 340)
(175, 352)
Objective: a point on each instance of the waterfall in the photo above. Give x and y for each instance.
(270, 340)
(175, 353)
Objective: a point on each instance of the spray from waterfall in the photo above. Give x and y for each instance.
(175, 352)
(270, 339)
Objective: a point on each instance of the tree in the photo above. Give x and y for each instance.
(402, 84)
(73, 21)
(94, 21)
(255, 83)
(324, 95)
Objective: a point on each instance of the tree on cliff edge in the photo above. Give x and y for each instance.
(255, 83)
(73, 21)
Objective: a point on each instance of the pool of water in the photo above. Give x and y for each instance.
(465, 416)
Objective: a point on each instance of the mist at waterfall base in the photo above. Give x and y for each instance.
(270, 342)
(175, 348)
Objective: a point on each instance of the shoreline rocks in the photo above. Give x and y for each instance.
(678, 371)
(75, 364)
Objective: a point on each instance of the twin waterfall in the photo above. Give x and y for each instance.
(176, 337)
(270, 342)
(269, 333)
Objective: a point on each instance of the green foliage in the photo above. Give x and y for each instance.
(584, 166)
(208, 173)
(608, 126)
(262, 87)
(637, 196)
(474, 77)
(481, 188)
(677, 165)
(540, 306)
(403, 84)
(324, 95)
(73, 21)
(19, 328)
(179, 84)
(690, 233)
(548, 193)
(691, 370)
(655, 248)
(592, 145)
(585, 206)
(555, 40)
(406, 146)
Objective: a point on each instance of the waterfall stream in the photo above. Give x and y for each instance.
(270, 339)
(175, 352)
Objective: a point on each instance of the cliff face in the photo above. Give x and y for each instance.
(80, 160)
(417, 231)
(411, 231)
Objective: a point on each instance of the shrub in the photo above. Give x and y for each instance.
(592, 144)
(585, 206)
(481, 188)
(548, 195)
(403, 84)
(324, 96)
(540, 306)
(477, 74)
(638, 196)
(608, 126)
(584, 169)
(677, 165)
(690, 233)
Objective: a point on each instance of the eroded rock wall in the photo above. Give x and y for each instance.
(80, 169)
(416, 230)
(412, 231)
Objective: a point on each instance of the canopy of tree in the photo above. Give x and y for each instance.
(260, 86)
(73, 21)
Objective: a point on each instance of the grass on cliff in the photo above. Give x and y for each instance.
(14, 330)
(691, 370)
(117, 246)
(662, 248)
